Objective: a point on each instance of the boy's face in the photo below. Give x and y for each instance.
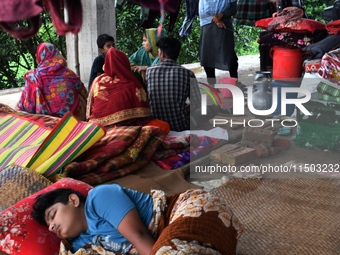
(106, 47)
(146, 44)
(66, 221)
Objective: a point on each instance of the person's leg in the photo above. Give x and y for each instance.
(233, 66)
(210, 72)
(230, 54)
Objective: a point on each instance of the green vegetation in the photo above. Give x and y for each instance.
(245, 38)
(17, 56)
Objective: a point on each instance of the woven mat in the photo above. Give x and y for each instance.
(285, 216)
(17, 182)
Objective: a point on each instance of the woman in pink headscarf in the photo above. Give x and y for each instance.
(52, 88)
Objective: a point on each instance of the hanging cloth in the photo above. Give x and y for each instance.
(153, 14)
(14, 11)
(159, 7)
(190, 14)
(75, 16)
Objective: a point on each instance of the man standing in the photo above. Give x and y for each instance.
(217, 42)
(170, 86)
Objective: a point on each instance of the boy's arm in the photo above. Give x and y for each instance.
(112, 204)
(133, 229)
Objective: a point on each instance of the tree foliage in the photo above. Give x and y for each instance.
(314, 8)
(18, 56)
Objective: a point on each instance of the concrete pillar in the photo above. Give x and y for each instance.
(98, 18)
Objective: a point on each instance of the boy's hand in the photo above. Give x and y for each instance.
(134, 230)
(139, 69)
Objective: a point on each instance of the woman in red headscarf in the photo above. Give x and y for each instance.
(117, 97)
(52, 88)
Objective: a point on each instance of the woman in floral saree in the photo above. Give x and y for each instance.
(52, 88)
(117, 97)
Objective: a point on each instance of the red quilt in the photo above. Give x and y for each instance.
(120, 152)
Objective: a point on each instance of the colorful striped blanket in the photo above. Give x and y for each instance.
(19, 140)
(41, 148)
(118, 152)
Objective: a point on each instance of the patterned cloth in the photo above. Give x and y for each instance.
(330, 66)
(117, 96)
(69, 139)
(250, 11)
(169, 86)
(298, 40)
(214, 229)
(52, 88)
(46, 121)
(288, 14)
(120, 152)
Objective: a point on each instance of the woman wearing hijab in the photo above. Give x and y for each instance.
(52, 88)
(147, 54)
(117, 97)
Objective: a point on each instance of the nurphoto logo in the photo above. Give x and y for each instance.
(239, 105)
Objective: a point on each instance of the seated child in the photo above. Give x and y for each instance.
(104, 42)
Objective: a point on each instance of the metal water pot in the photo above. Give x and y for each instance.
(262, 99)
